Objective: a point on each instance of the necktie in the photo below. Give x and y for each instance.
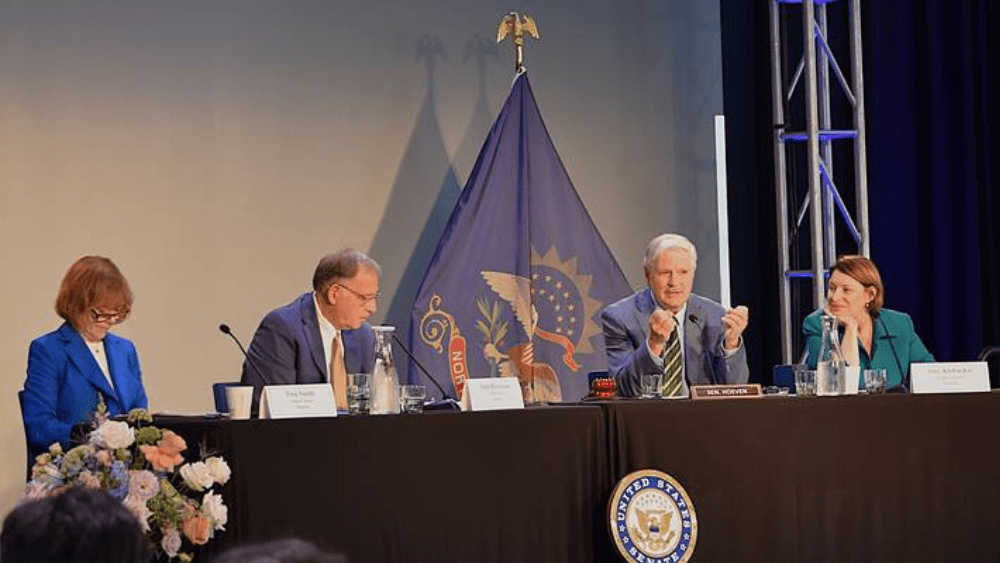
(672, 366)
(338, 373)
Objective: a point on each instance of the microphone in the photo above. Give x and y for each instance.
(444, 395)
(904, 375)
(709, 359)
(225, 330)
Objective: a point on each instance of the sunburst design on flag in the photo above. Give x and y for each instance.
(561, 295)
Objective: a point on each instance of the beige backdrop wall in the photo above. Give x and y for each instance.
(215, 149)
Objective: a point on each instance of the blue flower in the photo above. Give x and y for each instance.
(118, 483)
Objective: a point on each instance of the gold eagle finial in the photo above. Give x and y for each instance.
(516, 26)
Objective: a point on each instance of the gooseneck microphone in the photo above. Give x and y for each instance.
(225, 330)
(711, 357)
(904, 375)
(444, 395)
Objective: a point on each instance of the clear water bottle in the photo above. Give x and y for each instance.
(385, 382)
(830, 365)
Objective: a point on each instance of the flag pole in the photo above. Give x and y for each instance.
(516, 26)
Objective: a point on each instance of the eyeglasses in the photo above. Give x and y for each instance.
(364, 298)
(113, 318)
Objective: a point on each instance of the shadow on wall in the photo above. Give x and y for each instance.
(424, 193)
(482, 52)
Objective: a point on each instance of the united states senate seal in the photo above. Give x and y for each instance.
(652, 519)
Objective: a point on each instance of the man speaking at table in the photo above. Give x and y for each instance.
(321, 336)
(640, 333)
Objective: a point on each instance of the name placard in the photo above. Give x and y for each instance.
(744, 391)
(297, 401)
(492, 393)
(950, 377)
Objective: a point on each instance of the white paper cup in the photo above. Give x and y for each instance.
(852, 377)
(238, 399)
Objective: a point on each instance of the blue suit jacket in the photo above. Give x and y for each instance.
(895, 345)
(627, 321)
(287, 348)
(64, 383)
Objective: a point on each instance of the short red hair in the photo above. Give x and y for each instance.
(92, 282)
(865, 272)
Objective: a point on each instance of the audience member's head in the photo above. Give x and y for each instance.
(78, 526)
(279, 551)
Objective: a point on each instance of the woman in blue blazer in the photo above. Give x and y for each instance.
(874, 337)
(72, 368)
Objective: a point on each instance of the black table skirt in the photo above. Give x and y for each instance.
(881, 478)
(493, 486)
(887, 478)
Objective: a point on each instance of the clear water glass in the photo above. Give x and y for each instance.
(650, 385)
(875, 381)
(412, 398)
(359, 393)
(805, 382)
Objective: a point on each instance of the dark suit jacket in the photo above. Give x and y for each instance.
(287, 348)
(65, 382)
(895, 345)
(625, 331)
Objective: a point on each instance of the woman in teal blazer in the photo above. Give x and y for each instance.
(874, 338)
(74, 367)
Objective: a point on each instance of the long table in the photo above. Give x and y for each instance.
(882, 478)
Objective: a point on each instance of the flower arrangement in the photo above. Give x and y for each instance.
(142, 466)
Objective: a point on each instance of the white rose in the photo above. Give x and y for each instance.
(139, 508)
(197, 476)
(113, 435)
(216, 511)
(219, 469)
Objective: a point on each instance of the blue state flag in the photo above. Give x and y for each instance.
(520, 275)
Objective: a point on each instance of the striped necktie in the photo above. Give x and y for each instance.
(673, 366)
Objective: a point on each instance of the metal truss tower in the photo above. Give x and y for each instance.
(804, 138)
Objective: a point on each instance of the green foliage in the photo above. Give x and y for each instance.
(148, 435)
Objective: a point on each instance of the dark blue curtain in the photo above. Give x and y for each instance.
(931, 150)
(932, 93)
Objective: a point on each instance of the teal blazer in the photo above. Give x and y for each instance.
(64, 384)
(895, 345)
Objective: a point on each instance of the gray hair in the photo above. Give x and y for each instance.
(666, 242)
(341, 265)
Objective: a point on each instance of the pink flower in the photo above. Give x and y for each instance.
(166, 454)
(197, 529)
(103, 458)
(89, 480)
(143, 485)
(35, 490)
(171, 542)
(171, 442)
